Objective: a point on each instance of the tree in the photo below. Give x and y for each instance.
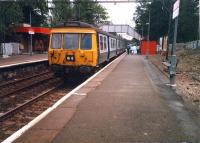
(101, 15)
(141, 18)
(159, 11)
(188, 21)
(81, 10)
(10, 14)
(62, 11)
(159, 18)
(38, 10)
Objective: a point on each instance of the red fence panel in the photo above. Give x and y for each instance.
(152, 47)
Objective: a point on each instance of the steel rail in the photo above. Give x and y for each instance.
(22, 79)
(24, 87)
(18, 108)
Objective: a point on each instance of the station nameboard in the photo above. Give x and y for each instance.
(176, 9)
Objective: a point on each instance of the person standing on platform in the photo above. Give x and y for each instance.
(128, 49)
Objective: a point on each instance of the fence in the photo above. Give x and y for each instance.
(8, 49)
(188, 45)
(192, 45)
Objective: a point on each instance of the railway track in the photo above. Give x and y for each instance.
(19, 107)
(21, 79)
(19, 98)
(7, 89)
(14, 117)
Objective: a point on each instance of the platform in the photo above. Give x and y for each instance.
(22, 59)
(126, 102)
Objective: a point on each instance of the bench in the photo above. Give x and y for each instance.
(167, 66)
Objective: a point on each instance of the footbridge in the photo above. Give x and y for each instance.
(121, 29)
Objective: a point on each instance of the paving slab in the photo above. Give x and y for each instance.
(125, 107)
(127, 103)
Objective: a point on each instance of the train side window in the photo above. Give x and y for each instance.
(115, 44)
(105, 43)
(56, 41)
(70, 41)
(110, 43)
(101, 42)
(86, 41)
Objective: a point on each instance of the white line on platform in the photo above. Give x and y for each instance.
(21, 131)
(22, 63)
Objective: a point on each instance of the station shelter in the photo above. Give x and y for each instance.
(38, 36)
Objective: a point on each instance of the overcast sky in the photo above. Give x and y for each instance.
(121, 13)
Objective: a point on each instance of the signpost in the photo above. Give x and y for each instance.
(173, 57)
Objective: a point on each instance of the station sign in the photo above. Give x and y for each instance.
(176, 9)
(31, 32)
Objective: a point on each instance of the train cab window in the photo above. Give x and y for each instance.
(86, 41)
(56, 41)
(70, 41)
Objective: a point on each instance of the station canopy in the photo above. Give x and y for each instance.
(124, 30)
(35, 30)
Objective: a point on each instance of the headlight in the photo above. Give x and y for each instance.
(70, 58)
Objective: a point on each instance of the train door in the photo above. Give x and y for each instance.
(103, 48)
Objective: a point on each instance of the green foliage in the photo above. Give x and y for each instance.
(160, 12)
(62, 11)
(82, 10)
(188, 21)
(10, 13)
(38, 10)
(100, 15)
(159, 18)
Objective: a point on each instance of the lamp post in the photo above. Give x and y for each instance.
(147, 49)
(199, 19)
(31, 37)
(31, 32)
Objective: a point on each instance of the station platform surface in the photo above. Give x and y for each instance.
(21, 59)
(127, 102)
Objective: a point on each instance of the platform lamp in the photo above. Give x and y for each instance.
(31, 32)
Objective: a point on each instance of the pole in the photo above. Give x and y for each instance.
(168, 35)
(31, 38)
(142, 32)
(30, 20)
(147, 50)
(199, 20)
(31, 49)
(173, 58)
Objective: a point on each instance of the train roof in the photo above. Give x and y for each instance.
(74, 24)
(83, 25)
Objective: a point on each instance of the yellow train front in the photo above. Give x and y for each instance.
(78, 46)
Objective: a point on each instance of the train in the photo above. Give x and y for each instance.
(80, 47)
